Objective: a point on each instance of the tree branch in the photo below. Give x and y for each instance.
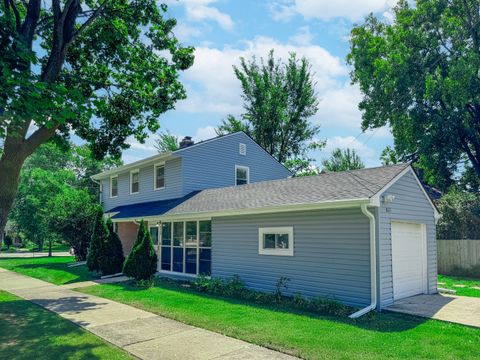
(90, 20)
(31, 20)
(18, 20)
(41, 135)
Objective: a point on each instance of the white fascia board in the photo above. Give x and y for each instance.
(376, 199)
(136, 164)
(338, 204)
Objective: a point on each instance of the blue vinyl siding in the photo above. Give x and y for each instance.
(173, 186)
(410, 204)
(212, 165)
(206, 165)
(331, 253)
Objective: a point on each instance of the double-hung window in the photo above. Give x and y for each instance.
(114, 186)
(159, 174)
(242, 175)
(134, 182)
(275, 241)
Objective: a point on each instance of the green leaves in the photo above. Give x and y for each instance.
(420, 76)
(114, 80)
(279, 98)
(343, 160)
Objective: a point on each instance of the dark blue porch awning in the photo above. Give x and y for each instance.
(152, 208)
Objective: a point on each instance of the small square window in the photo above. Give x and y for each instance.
(275, 241)
(242, 175)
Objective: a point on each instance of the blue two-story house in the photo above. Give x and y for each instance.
(225, 207)
(152, 186)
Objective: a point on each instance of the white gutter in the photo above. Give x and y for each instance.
(373, 265)
(99, 183)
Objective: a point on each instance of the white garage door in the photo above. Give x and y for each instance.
(408, 259)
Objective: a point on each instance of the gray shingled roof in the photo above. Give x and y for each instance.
(334, 186)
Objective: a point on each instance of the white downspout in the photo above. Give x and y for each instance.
(100, 188)
(373, 265)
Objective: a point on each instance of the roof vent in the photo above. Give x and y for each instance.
(186, 142)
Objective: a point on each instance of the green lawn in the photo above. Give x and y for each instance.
(310, 336)
(29, 332)
(449, 282)
(51, 269)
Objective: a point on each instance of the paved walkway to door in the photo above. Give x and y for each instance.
(141, 333)
(458, 309)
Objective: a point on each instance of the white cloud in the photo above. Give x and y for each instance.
(148, 146)
(185, 32)
(302, 37)
(204, 133)
(365, 152)
(338, 107)
(201, 10)
(213, 87)
(328, 9)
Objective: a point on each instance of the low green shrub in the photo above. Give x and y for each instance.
(234, 287)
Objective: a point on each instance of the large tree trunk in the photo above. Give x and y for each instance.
(11, 163)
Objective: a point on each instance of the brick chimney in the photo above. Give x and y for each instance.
(186, 142)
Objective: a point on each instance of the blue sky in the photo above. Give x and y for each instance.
(224, 30)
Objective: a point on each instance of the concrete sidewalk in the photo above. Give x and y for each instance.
(30, 254)
(141, 333)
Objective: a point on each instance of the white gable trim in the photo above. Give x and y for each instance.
(375, 200)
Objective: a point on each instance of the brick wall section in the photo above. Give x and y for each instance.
(127, 231)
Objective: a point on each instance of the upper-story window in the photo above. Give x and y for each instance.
(114, 186)
(134, 181)
(242, 175)
(159, 176)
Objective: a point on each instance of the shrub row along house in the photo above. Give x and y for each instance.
(225, 207)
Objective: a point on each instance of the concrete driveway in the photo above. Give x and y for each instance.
(457, 309)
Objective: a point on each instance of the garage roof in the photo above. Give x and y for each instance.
(326, 187)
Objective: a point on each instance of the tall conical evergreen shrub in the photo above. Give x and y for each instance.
(111, 261)
(97, 242)
(141, 264)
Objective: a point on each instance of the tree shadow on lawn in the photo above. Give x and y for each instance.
(373, 321)
(29, 332)
(79, 273)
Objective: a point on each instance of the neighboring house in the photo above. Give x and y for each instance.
(364, 237)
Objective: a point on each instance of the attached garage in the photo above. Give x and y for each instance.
(408, 259)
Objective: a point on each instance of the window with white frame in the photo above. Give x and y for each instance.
(134, 182)
(242, 175)
(275, 241)
(159, 170)
(114, 186)
(186, 247)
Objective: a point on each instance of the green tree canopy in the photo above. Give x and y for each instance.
(342, 160)
(166, 142)
(420, 75)
(56, 199)
(279, 99)
(101, 69)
